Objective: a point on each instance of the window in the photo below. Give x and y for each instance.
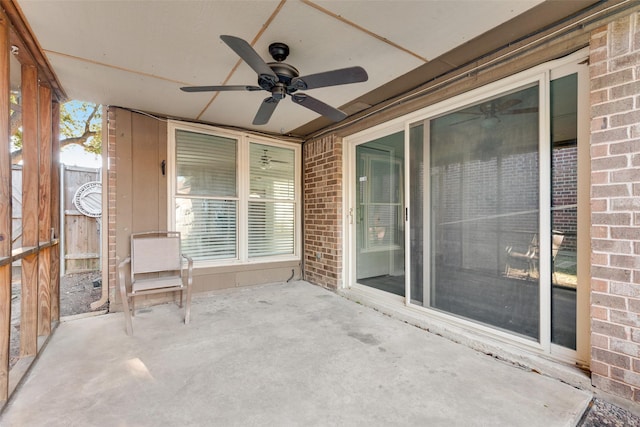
(233, 198)
(271, 201)
(206, 202)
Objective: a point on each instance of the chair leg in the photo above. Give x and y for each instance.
(127, 313)
(124, 297)
(180, 299)
(187, 311)
(133, 307)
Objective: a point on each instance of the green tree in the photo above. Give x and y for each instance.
(80, 124)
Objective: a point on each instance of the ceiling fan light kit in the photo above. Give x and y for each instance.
(282, 79)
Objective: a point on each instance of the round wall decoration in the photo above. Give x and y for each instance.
(88, 199)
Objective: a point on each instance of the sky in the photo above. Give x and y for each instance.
(74, 154)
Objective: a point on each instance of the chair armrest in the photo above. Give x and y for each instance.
(189, 269)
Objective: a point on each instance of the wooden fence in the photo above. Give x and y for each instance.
(80, 233)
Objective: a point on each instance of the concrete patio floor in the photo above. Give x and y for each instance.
(280, 354)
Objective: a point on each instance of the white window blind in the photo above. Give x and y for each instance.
(206, 164)
(206, 195)
(271, 201)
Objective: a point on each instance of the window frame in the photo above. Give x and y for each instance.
(243, 190)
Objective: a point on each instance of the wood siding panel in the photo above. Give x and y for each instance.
(30, 142)
(55, 211)
(44, 213)
(145, 174)
(5, 210)
(163, 180)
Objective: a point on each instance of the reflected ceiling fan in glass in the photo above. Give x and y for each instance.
(489, 112)
(266, 160)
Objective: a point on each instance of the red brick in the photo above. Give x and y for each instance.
(599, 96)
(612, 107)
(600, 368)
(626, 376)
(624, 61)
(610, 135)
(625, 347)
(612, 79)
(619, 218)
(625, 119)
(624, 261)
(625, 90)
(625, 233)
(599, 313)
(625, 147)
(614, 387)
(608, 301)
(599, 205)
(598, 285)
(599, 259)
(618, 36)
(600, 341)
(611, 358)
(625, 289)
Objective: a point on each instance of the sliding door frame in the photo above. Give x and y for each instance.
(541, 75)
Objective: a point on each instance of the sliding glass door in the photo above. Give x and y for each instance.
(479, 228)
(379, 213)
(472, 209)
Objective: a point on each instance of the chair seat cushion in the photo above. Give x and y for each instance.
(156, 283)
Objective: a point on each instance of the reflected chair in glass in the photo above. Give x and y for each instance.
(531, 257)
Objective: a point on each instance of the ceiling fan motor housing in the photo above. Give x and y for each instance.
(285, 73)
(278, 51)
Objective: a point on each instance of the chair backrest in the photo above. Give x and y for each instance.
(556, 242)
(155, 252)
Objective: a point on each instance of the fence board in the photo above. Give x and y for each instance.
(81, 233)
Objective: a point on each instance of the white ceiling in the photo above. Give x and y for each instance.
(137, 54)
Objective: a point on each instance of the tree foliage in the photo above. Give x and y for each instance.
(80, 124)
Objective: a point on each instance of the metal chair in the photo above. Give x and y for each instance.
(155, 267)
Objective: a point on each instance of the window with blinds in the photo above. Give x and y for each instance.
(234, 197)
(206, 195)
(271, 216)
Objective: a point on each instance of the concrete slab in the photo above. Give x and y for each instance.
(280, 354)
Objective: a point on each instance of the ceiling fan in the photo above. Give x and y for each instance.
(266, 160)
(282, 79)
(491, 111)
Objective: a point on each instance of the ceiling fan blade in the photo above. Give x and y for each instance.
(463, 121)
(265, 111)
(218, 88)
(521, 110)
(507, 104)
(249, 55)
(318, 106)
(331, 78)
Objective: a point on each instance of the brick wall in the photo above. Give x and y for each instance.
(323, 211)
(615, 203)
